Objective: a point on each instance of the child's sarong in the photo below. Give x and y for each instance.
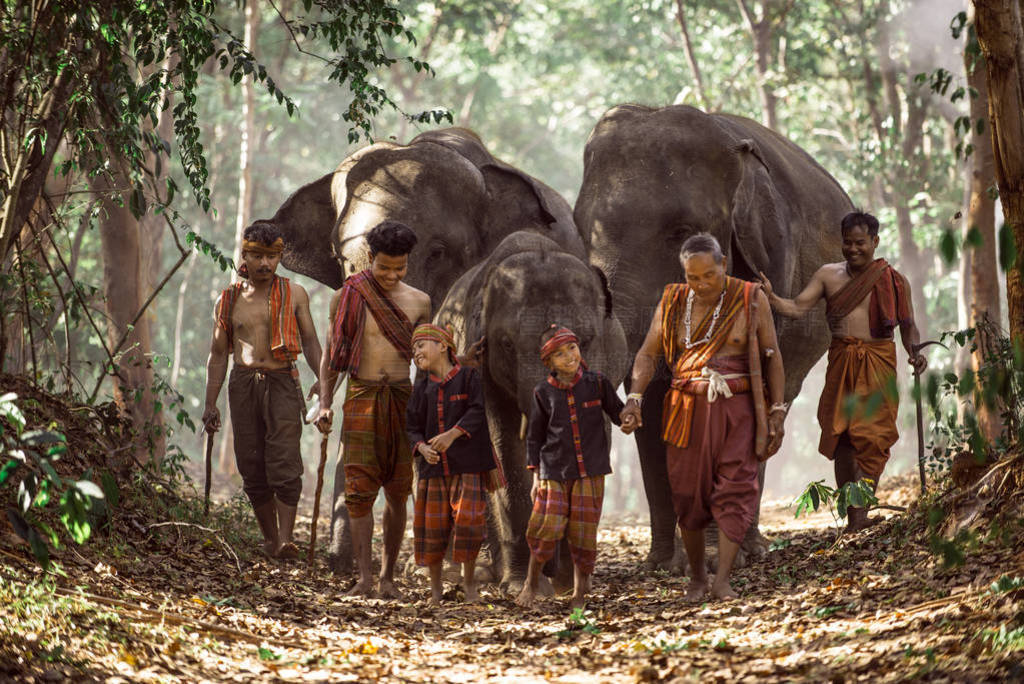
(570, 509)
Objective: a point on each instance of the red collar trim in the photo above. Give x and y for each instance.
(555, 382)
(451, 374)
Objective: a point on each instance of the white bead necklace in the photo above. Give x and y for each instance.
(714, 319)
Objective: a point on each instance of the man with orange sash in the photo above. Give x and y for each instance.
(373, 316)
(866, 299)
(713, 332)
(263, 390)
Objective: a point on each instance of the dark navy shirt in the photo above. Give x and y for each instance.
(566, 437)
(439, 404)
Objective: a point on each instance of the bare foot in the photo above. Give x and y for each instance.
(472, 595)
(526, 597)
(362, 588)
(269, 549)
(388, 590)
(696, 591)
(288, 551)
(723, 591)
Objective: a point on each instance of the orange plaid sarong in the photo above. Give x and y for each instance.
(446, 506)
(570, 509)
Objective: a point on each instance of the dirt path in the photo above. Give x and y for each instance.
(876, 606)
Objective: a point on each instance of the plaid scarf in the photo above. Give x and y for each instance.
(359, 293)
(890, 299)
(285, 341)
(686, 364)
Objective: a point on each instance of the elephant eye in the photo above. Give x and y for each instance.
(437, 250)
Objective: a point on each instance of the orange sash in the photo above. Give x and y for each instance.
(285, 341)
(686, 364)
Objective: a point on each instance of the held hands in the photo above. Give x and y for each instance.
(211, 419)
(428, 453)
(630, 417)
(443, 441)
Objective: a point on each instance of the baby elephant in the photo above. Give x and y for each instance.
(527, 283)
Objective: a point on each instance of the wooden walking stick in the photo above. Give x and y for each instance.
(916, 348)
(209, 468)
(316, 500)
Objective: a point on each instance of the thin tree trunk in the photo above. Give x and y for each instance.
(981, 217)
(1000, 34)
(123, 284)
(691, 56)
(761, 35)
(244, 210)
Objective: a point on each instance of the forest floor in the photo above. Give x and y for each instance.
(169, 604)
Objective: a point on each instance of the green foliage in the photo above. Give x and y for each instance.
(1003, 638)
(580, 620)
(954, 400)
(28, 462)
(860, 494)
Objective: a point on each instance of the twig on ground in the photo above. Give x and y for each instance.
(212, 531)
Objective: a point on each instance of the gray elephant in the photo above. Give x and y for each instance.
(527, 284)
(654, 177)
(445, 185)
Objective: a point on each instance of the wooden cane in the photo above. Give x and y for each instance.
(316, 500)
(209, 468)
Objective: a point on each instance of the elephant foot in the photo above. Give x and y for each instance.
(661, 558)
(340, 564)
(754, 543)
(513, 587)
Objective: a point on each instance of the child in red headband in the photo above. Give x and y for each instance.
(568, 451)
(448, 429)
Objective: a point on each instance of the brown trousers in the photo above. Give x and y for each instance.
(266, 419)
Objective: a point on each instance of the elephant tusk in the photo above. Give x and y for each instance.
(522, 427)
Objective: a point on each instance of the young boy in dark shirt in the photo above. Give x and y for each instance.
(568, 451)
(448, 429)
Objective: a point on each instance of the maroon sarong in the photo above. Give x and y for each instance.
(714, 477)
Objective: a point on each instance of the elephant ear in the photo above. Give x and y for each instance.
(306, 221)
(761, 239)
(518, 201)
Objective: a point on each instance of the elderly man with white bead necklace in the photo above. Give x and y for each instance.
(715, 424)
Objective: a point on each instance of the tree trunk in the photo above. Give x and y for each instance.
(981, 217)
(124, 290)
(761, 35)
(691, 56)
(1000, 34)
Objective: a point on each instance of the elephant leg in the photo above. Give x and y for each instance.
(754, 544)
(654, 470)
(339, 550)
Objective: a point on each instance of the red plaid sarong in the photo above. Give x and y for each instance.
(449, 506)
(376, 452)
(570, 509)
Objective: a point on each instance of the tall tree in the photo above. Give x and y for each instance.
(1001, 37)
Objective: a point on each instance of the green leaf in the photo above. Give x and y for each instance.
(947, 246)
(110, 489)
(267, 654)
(1007, 248)
(37, 437)
(21, 527)
(89, 489)
(8, 469)
(39, 548)
(974, 238)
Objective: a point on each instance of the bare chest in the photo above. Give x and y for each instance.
(696, 333)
